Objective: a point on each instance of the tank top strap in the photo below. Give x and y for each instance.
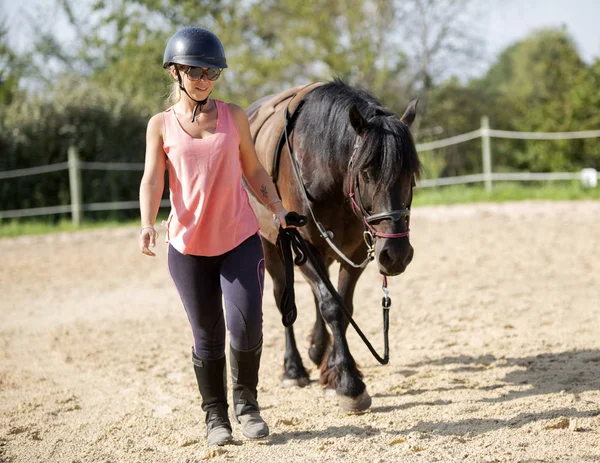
(170, 123)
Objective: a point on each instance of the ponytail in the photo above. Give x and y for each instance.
(175, 94)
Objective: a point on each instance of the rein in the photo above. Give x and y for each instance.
(291, 238)
(325, 234)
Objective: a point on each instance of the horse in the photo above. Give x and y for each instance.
(356, 167)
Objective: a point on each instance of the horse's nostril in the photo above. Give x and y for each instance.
(384, 258)
(395, 260)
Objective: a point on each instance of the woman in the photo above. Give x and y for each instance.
(214, 249)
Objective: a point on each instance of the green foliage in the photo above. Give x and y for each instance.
(454, 109)
(270, 45)
(11, 68)
(291, 43)
(542, 85)
(38, 130)
(539, 84)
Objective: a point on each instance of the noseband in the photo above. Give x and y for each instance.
(370, 233)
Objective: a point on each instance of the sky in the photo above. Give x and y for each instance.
(511, 20)
(502, 23)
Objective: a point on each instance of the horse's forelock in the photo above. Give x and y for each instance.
(388, 150)
(325, 129)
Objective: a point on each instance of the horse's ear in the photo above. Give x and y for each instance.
(359, 123)
(411, 112)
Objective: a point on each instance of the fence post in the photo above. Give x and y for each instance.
(486, 152)
(75, 186)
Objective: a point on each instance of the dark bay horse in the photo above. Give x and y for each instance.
(358, 163)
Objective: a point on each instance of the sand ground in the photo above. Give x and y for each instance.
(494, 339)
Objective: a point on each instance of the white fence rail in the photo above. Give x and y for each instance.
(587, 176)
(498, 177)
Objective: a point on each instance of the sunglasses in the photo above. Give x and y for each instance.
(196, 73)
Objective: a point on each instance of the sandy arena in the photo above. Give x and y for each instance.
(494, 341)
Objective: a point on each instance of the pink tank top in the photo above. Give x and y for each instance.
(210, 210)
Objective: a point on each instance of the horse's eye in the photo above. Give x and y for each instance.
(365, 176)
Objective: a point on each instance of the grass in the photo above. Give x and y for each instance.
(40, 227)
(505, 191)
(454, 194)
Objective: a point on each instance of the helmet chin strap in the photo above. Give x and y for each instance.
(200, 104)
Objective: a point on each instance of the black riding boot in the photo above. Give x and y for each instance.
(212, 382)
(244, 378)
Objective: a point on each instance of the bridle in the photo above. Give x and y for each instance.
(371, 234)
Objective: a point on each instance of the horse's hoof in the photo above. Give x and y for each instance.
(294, 382)
(358, 404)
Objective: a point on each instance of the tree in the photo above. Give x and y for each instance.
(454, 109)
(270, 44)
(543, 85)
(10, 68)
(38, 129)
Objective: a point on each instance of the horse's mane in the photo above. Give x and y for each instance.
(326, 131)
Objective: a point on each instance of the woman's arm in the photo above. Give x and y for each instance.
(256, 176)
(152, 184)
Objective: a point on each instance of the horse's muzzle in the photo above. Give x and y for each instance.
(394, 256)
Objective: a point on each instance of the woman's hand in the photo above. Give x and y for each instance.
(279, 213)
(148, 237)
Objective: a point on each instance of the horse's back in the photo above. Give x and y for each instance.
(267, 120)
(254, 108)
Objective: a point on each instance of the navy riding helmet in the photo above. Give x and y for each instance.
(197, 47)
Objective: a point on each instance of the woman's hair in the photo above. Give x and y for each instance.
(175, 93)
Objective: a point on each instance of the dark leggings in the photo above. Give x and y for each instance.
(203, 282)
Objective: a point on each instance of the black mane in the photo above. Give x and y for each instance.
(324, 123)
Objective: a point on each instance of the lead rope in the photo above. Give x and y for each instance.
(386, 303)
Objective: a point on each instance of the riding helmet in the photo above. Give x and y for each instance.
(194, 46)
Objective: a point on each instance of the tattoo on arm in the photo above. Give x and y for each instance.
(263, 191)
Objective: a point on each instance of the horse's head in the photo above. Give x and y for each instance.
(382, 174)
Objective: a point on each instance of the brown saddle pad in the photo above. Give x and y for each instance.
(267, 120)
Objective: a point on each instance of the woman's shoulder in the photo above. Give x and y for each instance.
(232, 106)
(235, 109)
(160, 115)
(156, 122)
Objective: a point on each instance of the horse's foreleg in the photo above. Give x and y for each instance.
(339, 370)
(347, 279)
(294, 373)
(342, 360)
(319, 337)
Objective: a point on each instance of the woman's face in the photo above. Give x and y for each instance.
(198, 82)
